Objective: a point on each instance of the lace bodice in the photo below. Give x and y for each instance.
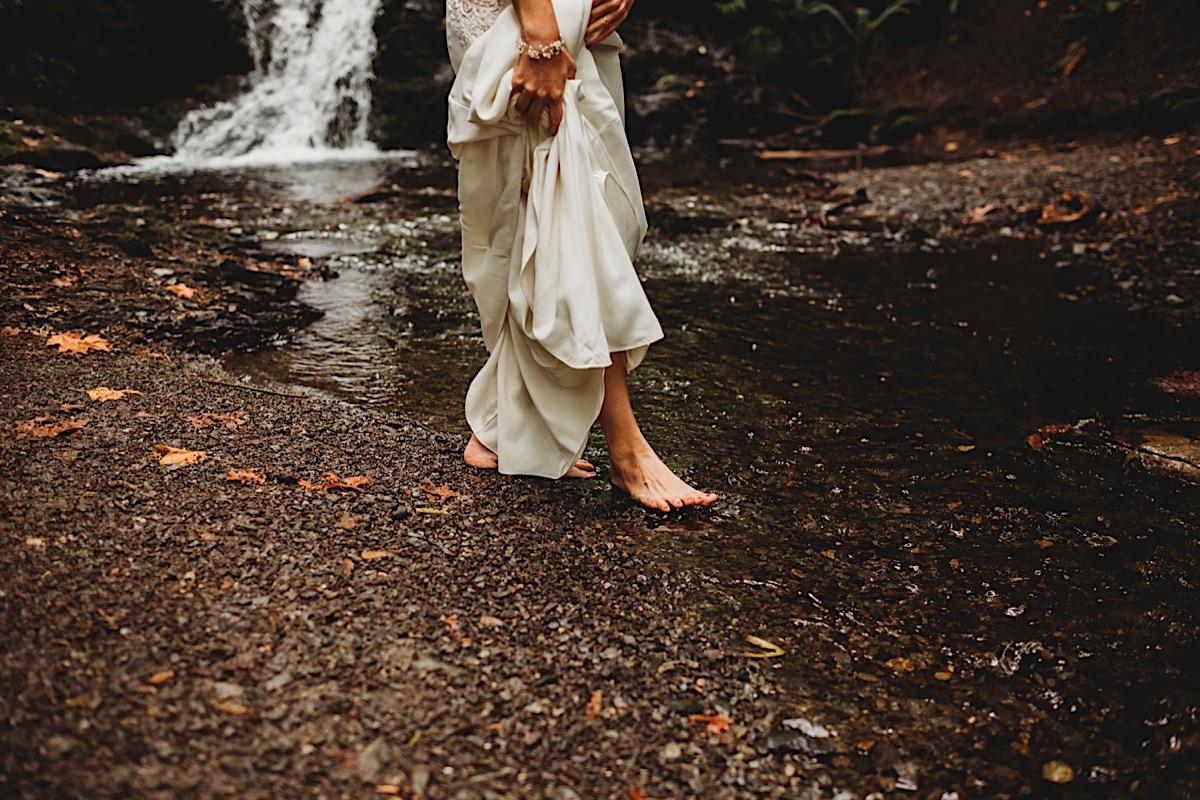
(469, 19)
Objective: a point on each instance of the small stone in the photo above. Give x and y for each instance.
(1058, 772)
(672, 752)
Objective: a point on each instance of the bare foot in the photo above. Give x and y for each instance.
(643, 475)
(479, 455)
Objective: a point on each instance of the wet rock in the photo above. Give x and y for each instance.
(800, 736)
(1058, 772)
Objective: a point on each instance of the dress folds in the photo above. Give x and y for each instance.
(550, 227)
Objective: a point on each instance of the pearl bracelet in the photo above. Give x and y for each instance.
(540, 51)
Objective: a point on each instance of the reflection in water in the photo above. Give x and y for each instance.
(944, 591)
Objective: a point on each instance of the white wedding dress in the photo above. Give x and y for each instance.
(550, 227)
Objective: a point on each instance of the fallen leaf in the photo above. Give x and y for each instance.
(901, 664)
(160, 677)
(768, 649)
(347, 567)
(593, 707)
(42, 428)
(182, 291)
(77, 342)
(1074, 208)
(443, 492)
(35, 541)
(713, 723)
(637, 794)
(347, 522)
(229, 707)
(231, 420)
(451, 620)
(372, 555)
(168, 455)
(388, 789)
(1171, 141)
(104, 394)
(1036, 442)
(332, 481)
(69, 407)
(488, 621)
(9, 330)
(246, 476)
(951, 147)
(65, 281)
(980, 214)
(437, 511)
(966, 448)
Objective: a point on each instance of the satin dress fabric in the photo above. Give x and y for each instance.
(550, 228)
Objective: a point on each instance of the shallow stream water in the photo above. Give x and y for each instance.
(864, 412)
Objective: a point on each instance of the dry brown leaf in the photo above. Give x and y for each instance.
(594, 705)
(104, 394)
(246, 476)
(347, 567)
(43, 428)
(347, 522)
(442, 493)
(231, 420)
(160, 677)
(1074, 208)
(168, 455)
(65, 281)
(229, 707)
(1171, 141)
(768, 649)
(713, 723)
(451, 620)
(9, 330)
(372, 555)
(77, 342)
(182, 291)
(392, 789)
(1181, 381)
(980, 214)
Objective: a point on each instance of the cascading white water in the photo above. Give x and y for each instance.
(310, 93)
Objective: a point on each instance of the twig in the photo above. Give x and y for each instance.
(255, 389)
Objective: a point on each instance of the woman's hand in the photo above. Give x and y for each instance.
(606, 17)
(539, 83)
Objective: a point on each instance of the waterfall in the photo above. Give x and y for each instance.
(310, 92)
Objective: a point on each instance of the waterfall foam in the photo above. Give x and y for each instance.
(310, 92)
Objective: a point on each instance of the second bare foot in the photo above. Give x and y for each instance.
(643, 475)
(477, 454)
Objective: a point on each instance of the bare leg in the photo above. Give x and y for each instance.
(478, 455)
(635, 467)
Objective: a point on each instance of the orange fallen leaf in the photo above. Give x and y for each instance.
(42, 428)
(980, 214)
(246, 476)
(160, 677)
(1036, 442)
(443, 492)
(1170, 141)
(182, 291)
(168, 455)
(593, 707)
(231, 420)
(713, 723)
(1074, 208)
(332, 481)
(372, 555)
(104, 394)
(636, 793)
(388, 789)
(228, 707)
(451, 620)
(77, 342)
(9, 330)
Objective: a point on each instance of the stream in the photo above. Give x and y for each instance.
(865, 415)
